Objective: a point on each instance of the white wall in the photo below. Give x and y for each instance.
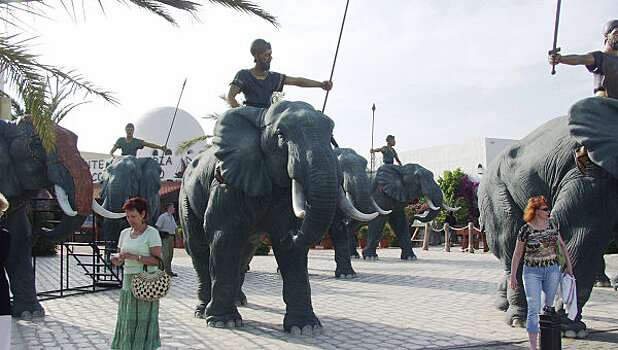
(465, 155)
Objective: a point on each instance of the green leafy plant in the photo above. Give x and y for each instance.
(459, 191)
(362, 233)
(263, 247)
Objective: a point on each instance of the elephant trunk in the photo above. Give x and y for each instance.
(435, 200)
(321, 188)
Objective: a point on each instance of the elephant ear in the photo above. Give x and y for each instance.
(237, 145)
(150, 183)
(593, 122)
(390, 178)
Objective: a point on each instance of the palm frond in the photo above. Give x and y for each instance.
(184, 146)
(248, 7)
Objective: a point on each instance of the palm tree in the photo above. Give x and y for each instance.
(32, 80)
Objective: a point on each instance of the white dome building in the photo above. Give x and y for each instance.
(154, 125)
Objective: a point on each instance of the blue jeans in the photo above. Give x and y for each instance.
(537, 279)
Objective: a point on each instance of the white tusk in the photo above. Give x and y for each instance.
(377, 207)
(349, 209)
(423, 214)
(106, 213)
(298, 200)
(63, 201)
(431, 205)
(450, 208)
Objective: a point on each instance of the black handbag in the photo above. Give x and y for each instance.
(151, 286)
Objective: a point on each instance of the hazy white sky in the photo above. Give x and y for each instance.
(438, 71)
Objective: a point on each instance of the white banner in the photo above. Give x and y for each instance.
(172, 167)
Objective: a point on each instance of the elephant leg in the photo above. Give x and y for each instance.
(399, 224)
(517, 310)
(19, 267)
(339, 234)
(299, 316)
(376, 226)
(198, 249)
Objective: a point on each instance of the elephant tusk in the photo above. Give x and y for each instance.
(450, 208)
(298, 200)
(378, 209)
(106, 213)
(63, 201)
(431, 205)
(423, 215)
(349, 209)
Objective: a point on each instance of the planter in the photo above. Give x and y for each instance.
(327, 243)
(362, 242)
(384, 243)
(312, 247)
(179, 243)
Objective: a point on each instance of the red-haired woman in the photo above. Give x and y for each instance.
(540, 238)
(137, 322)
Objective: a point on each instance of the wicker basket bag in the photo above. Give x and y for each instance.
(151, 286)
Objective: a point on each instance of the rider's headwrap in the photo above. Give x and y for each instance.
(258, 47)
(609, 26)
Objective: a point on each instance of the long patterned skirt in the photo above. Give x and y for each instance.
(137, 322)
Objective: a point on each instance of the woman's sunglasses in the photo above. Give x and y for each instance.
(544, 209)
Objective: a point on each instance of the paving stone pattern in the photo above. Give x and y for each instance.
(442, 301)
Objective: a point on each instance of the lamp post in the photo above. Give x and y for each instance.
(373, 117)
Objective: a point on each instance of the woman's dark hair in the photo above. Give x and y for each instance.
(534, 203)
(137, 203)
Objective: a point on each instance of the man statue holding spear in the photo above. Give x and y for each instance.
(602, 64)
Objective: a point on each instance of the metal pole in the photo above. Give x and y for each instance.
(336, 52)
(373, 117)
(555, 49)
(175, 111)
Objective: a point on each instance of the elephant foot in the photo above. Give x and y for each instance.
(516, 316)
(501, 303)
(308, 331)
(302, 324)
(370, 255)
(200, 311)
(241, 299)
(229, 324)
(408, 256)
(28, 310)
(230, 320)
(31, 314)
(345, 273)
(602, 281)
(573, 329)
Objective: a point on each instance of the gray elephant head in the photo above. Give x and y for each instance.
(288, 147)
(403, 184)
(356, 182)
(26, 167)
(126, 177)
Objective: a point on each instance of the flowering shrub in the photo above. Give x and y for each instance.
(459, 191)
(263, 247)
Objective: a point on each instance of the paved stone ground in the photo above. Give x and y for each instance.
(442, 301)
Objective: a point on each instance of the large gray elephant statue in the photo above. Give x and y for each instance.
(583, 199)
(25, 169)
(126, 177)
(269, 171)
(393, 188)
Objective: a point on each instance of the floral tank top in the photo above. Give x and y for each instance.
(541, 245)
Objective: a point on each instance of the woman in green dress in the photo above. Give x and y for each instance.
(137, 322)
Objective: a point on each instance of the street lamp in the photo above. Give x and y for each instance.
(479, 169)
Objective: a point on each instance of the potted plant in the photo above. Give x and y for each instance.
(178, 240)
(263, 247)
(327, 242)
(386, 234)
(362, 237)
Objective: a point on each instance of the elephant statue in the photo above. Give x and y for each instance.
(573, 161)
(126, 177)
(393, 188)
(345, 224)
(269, 171)
(26, 168)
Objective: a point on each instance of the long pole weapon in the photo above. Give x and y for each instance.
(373, 155)
(555, 49)
(336, 52)
(174, 118)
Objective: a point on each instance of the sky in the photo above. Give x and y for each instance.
(438, 71)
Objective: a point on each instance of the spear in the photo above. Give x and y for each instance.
(555, 49)
(336, 52)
